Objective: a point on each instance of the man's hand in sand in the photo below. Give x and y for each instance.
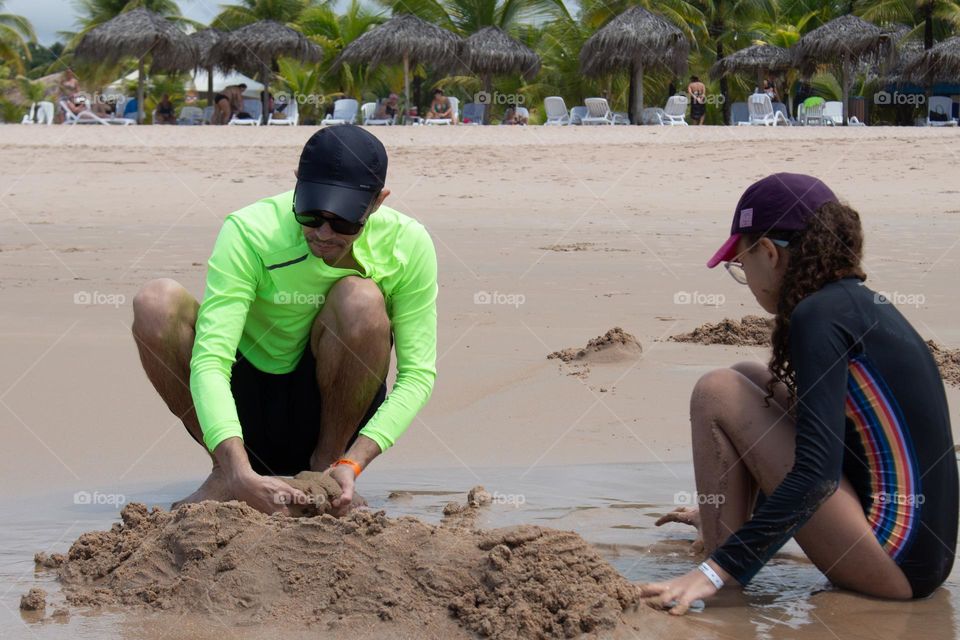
(265, 493)
(678, 594)
(346, 478)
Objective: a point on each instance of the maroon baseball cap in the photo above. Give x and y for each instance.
(779, 202)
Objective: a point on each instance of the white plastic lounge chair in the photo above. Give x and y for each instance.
(942, 107)
(454, 106)
(761, 111)
(473, 113)
(599, 112)
(675, 112)
(781, 108)
(39, 113)
(556, 109)
(291, 116)
(190, 116)
(854, 121)
(89, 117)
(252, 107)
(577, 114)
(368, 113)
(812, 115)
(344, 112)
(833, 112)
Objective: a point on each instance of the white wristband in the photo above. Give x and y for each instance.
(712, 575)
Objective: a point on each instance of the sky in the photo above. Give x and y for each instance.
(50, 16)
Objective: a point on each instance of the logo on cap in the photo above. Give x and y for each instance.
(746, 218)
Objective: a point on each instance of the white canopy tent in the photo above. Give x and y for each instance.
(199, 83)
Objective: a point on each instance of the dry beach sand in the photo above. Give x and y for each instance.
(547, 239)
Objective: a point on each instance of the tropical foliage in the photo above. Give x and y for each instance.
(554, 29)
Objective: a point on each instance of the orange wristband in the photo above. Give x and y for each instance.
(353, 465)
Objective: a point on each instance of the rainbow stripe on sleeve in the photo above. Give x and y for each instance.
(895, 482)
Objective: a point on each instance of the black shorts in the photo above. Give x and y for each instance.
(218, 97)
(697, 110)
(280, 414)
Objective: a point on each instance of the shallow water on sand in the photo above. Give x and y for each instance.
(612, 506)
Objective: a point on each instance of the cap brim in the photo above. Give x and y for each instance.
(727, 252)
(345, 202)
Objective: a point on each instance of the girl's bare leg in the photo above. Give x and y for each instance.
(740, 445)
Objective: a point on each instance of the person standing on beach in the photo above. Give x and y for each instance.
(283, 367)
(698, 100)
(227, 103)
(845, 434)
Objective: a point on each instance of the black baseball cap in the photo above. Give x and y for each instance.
(342, 168)
(779, 202)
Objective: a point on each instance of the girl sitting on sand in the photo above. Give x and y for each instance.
(846, 434)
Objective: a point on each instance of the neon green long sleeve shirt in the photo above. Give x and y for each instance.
(264, 289)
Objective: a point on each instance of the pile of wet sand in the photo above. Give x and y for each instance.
(750, 331)
(754, 331)
(948, 360)
(614, 346)
(363, 571)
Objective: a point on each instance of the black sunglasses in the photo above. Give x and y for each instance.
(337, 224)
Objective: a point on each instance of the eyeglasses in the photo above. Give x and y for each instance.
(735, 267)
(337, 224)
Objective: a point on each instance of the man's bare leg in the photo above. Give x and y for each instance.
(351, 343)
(164, 317)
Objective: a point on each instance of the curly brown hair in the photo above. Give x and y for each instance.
(829, 249)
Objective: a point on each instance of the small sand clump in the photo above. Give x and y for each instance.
(362, 570)
(750, 331)
(34, 600)
(321, 490)
(615, 345)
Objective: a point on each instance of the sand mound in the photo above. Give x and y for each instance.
(752, 331)
(949, 362)
(615, 345)
(362, 571)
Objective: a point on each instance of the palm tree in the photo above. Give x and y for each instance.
(938, 19)
(15, 34)
(286, 12)
(333, 32)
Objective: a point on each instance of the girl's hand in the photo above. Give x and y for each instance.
(677, 594)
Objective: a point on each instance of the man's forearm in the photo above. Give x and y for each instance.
(232, 457)
(363, 451)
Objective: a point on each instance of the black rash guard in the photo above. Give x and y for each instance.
(872, 407)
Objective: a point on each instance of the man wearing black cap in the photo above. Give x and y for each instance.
(283, 367)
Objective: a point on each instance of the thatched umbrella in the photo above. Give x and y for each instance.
(844, 41)
(405, 39)
(941, 63)
(756, 59)
(635, 40)
(254, 50)
(490, 52)
(204, 41)
(141, 34)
